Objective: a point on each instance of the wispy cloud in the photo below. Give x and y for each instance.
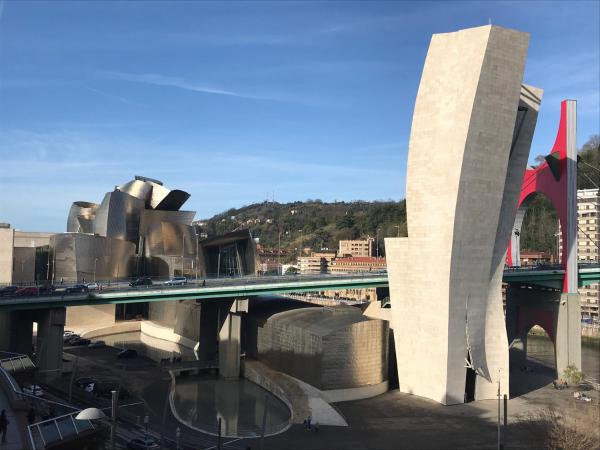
(155, 79)
(109, 95)
(177, 82)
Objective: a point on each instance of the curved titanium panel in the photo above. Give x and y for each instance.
(139, 189)
(172, 201)
(119, 216)
(80, 257)
(81, 217)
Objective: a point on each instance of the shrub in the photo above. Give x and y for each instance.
(573, 375)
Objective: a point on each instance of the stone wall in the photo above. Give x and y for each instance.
(329, 348)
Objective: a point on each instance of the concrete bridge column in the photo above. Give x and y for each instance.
(568, 332)
(557, 313)
(51, 324)
(16, 332)
(230, 339)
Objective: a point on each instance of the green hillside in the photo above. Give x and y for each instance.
(318, 225)
(313, 223)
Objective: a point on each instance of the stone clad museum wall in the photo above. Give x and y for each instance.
(329, 348)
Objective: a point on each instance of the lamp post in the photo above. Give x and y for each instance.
(499, 445)
(182, 251)
(177, 436)
(95, 265)
(377, 242)
(279, 253)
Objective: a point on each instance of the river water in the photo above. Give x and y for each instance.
(541, 350)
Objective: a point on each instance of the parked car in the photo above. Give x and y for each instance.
(93, 286)
(26, 291)
(80, 341)
(33, 389)
(46, 289)
(176, 281)
(86, 383)
(141, 281)
(127, 353)
(97, 344)
(82, 288)
(143, 443)
(8, 291)
(68, 336)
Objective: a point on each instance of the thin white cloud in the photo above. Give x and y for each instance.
(181, 83)
(177, 82)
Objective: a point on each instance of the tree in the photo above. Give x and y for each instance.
(588, 166)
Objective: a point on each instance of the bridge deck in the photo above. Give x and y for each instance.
(120, 292)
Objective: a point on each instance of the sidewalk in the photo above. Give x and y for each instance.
(14, 439)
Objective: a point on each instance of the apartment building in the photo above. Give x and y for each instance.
(588, 240)
(317, 262)
(357, 264)
(358, 248)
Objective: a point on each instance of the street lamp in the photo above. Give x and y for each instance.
(95, 263)
(377, 242)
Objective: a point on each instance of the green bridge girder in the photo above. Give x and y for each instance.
(551, 278)
(193, 293)
(545, 278)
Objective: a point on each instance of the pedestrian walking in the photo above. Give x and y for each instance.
(3, 425)
(203, 283)
(31, 415)
(308, 420)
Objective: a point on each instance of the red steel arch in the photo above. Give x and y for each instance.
(551, 178)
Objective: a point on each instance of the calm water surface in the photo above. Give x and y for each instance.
(200, 401)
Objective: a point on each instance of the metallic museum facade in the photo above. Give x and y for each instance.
(138, 229)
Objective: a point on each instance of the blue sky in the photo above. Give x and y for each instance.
(236, 101)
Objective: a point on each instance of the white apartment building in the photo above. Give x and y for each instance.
(588, 239)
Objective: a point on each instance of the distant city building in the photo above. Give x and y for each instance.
(588, 239)
(317, 262)
(357, 264)
(270, 258)
(357, 248)
(24, 256)
(532, 258)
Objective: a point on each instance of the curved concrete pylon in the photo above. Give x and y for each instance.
(465, 149)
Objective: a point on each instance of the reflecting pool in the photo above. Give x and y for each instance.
(200, 401)
(153, 348)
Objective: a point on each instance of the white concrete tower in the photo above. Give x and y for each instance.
(472, 127)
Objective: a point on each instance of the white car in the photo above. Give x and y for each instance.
(176, 281)
(93, 286)
(33, 389)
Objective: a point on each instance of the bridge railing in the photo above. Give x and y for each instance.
(52, 431)
(15, 362)
(160, 283)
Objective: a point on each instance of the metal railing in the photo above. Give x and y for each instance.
(15, 363)
(57, 429)
(123, 285)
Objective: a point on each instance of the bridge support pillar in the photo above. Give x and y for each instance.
(51, 324)
(557, 313)
(16, 332)
(568, 333)
(230, 340)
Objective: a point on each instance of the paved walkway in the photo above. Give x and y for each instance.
(14, 438)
